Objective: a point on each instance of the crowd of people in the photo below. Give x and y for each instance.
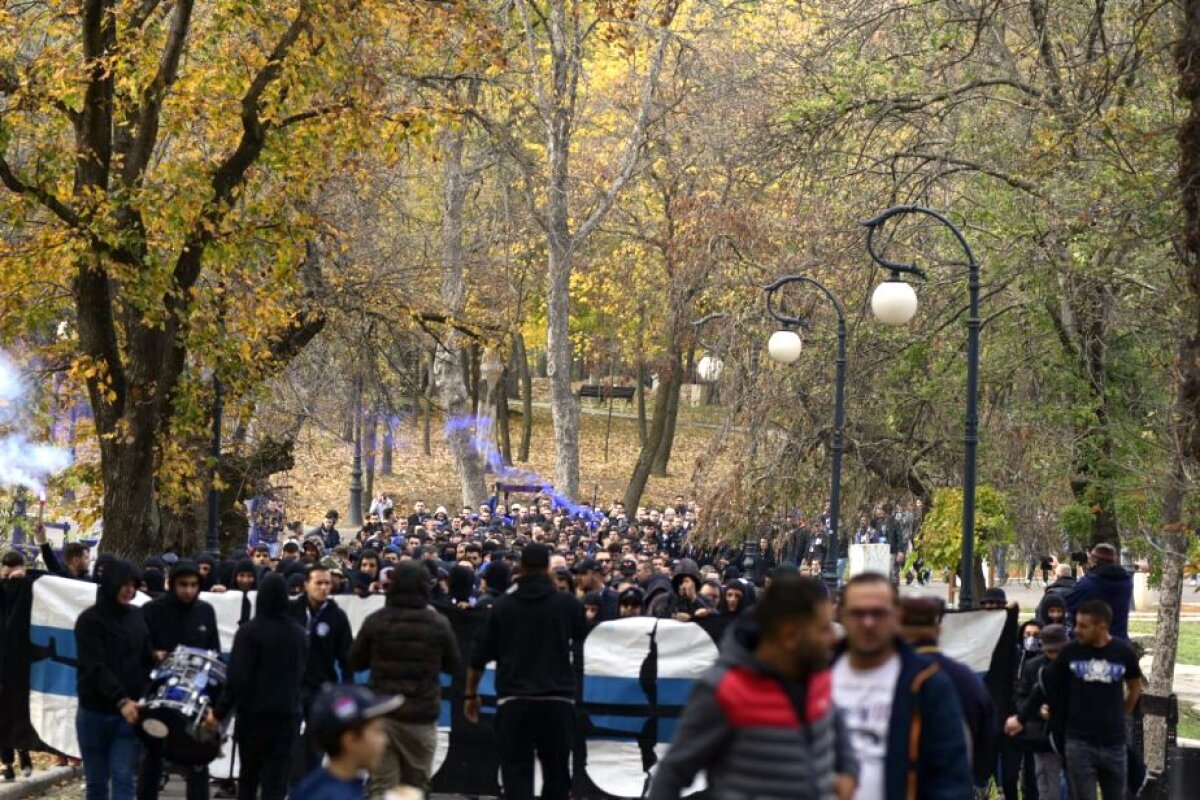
(816, 694)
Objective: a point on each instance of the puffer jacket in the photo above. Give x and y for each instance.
(1111, 583)
(757, 733)
(406, 644)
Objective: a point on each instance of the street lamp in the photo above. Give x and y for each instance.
(356, 470)
(894, 303)
(784, 347)
(709, 368)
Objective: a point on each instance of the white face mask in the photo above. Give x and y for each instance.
(1033, 643)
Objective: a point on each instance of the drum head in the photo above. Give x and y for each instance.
(155, 728)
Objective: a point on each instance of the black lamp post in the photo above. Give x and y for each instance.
(356, 472)
(784, 347)
(214, 497)
(894, 303)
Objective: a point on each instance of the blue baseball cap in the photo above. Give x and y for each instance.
(348, 707)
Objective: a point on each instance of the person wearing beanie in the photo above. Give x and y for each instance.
(405, 645)
(532, 634)
(154, 582)
(114, 657)
(1109, 582)
(178, 618)
(266, 669)
(245, 576)
(921, 627)
(494, 583)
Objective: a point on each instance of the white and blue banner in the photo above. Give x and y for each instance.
(637, 675)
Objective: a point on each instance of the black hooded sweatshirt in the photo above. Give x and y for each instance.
(532, 634)
(113, 645)
(269, 656)
(173, 622)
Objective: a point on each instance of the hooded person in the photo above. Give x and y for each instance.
(206, 566)
(462, 588)
(114, 660)
(178, 618)
(1052, 611)
(1108, 581)
(495, 581)
(245, 576)
(406, 645)
(684, 603)
(535, 635)
(266, 668)
(154, 581)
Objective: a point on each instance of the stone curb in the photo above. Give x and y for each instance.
(41, 781)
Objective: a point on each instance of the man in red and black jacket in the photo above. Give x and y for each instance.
(762, 722)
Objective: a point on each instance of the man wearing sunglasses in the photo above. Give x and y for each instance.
(905, 720)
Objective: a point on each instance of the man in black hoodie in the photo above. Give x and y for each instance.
(329, 640)
(177, 618)
(114, 654)
(531, 634)
(266, 669)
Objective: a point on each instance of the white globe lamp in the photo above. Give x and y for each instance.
(784, 347)
(709, 368)
(894, 302)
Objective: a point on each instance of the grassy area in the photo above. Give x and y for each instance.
(1189, 639)
(1188, 653)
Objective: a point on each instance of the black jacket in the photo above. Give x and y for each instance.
(406, 644)
(113, 646)
(173, 623)
(269, 656)
(329, 639)
(532, 634)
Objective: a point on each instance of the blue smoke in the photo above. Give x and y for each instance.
(480, 430)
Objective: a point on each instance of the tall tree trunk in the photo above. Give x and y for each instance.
(658, 427)
(502, 428)
(389, 444)
(448, 364)
(641, 376)
(662, 458)
(522, 359)
(564, 405)
(1184, 430)
(473, 377)
(426, 401)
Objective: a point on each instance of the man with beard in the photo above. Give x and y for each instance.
(266, 668)
(114, 655)
(177, 618)
(762, 722)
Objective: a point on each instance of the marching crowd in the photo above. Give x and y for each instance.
(816, 694)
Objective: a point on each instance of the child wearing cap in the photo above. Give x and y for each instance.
(346, 724)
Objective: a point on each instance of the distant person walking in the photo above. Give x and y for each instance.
(532, 634)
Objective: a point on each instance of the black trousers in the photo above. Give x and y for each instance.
(265, 753)
(196, 778)
(544, 727)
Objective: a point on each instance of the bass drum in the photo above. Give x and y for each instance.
(184, 686)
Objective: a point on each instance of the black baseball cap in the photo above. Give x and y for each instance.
(586, 565)
(348, 707)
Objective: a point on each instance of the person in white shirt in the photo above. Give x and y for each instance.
(904, 718)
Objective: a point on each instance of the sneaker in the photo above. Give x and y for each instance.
(26, 770)
(9, 775)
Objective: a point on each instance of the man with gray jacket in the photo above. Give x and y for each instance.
(762, 722)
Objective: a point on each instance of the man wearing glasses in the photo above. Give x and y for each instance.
(905, 721)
